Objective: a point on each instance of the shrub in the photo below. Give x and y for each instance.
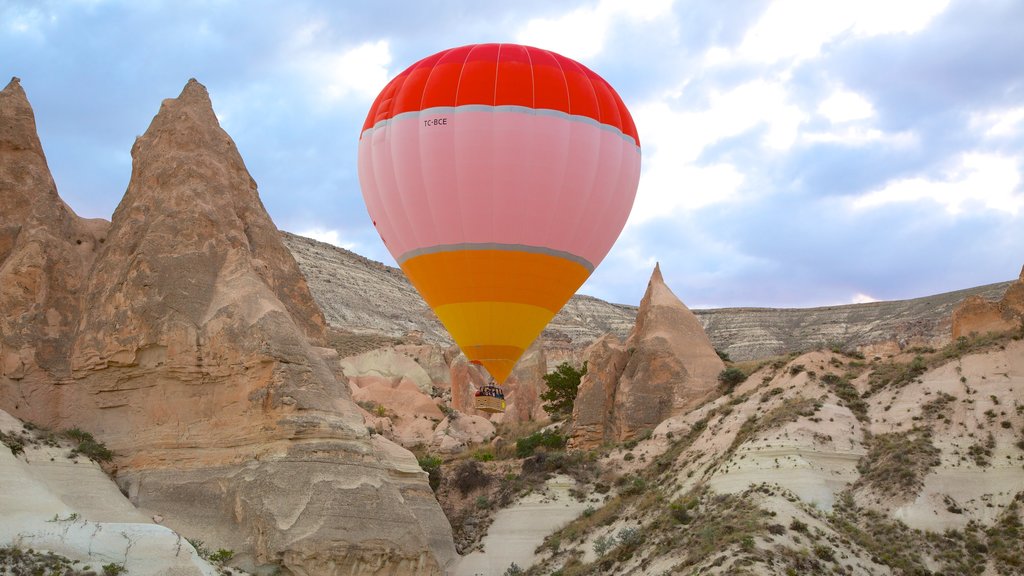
(730, 378)
(470, 476)
(222, 555)
(629, 536)
(432, 466)
(897, 462)
(88, 446)
(602, 544)
(113, 569)
(525, 447)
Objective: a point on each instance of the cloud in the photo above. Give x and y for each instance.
(1002, 123)
(583, 33)
(798, 29)
(988, 181)
(676, 177)
(337, 73)
(862, 299)
(845, 106)
(327, 236)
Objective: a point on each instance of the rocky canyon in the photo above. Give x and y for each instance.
(185, 389)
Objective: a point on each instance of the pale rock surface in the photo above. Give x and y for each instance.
(670, 368)
(387, 366)
(71, 507)
(198, 358)
(518, 530)
(411, 414)
(432, 360)
(458, 432)
(988, 389)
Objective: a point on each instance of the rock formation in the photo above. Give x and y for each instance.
(197, 355)
(670, 367)
(45, 253)
(595, 402)
(978, 315)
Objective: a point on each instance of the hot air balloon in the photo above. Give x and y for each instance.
(498, 176)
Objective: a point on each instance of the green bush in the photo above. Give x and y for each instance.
(88, 446)
(525, 447)
(432, 466)
(730, 378)
(563, 385)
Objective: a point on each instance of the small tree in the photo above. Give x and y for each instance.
(563, 385)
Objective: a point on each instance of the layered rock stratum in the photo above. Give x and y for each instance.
(186, 339)
(372, 299)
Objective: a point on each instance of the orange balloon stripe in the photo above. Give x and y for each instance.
(537, 279)
(494, 333)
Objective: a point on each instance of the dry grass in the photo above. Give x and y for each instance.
(896, 463)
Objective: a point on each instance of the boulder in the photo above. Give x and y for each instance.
(460, 431)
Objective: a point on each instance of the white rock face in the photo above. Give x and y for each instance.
(520, 528)
(386, 364)
(71, 508)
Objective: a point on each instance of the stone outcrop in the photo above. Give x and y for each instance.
(592, 411)
(197, 355)
(978, 315)
(670, 367)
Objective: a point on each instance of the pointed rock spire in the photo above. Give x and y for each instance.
(45, 252)
(672, 368)
(668, 366)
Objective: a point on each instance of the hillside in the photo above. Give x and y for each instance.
(368, 297)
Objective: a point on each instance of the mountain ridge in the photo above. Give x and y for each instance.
(377, 299)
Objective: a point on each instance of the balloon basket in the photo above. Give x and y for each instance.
(490, 399)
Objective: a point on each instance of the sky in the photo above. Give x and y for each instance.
(795, 153)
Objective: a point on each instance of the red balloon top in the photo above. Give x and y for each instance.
(502, 75)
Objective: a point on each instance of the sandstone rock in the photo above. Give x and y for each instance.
(386, 365)
(979, 316)
(45, 253)
(524, 387)
(670, 368)
(672, 365)
(592, 410)
(411, 415)
(199, 360)
(457, 433)
(466, 379)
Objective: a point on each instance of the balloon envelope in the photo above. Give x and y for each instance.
(498, 176)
